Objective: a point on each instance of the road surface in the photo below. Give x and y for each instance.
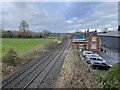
(110, 56)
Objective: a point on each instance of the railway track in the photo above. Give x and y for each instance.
(35, 72)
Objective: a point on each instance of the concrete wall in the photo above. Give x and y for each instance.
(111, 42)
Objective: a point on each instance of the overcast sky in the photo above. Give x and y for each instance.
(60, 16)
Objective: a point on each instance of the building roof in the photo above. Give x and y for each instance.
(80, 40)
(79, 35)
(89, 33)
(111, 33)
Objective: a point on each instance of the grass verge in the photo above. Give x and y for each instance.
(30, 49)
(22, 45)
(73, 74)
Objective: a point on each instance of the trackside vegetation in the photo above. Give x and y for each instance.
(19, 51)
(22, 45)
(73, 74)
(113, 78)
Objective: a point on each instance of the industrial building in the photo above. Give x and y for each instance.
(110, 39)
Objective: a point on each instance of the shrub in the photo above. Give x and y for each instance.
(7, 70)
(11, 58)
(49, 45)
(32, 54)
(113, 78)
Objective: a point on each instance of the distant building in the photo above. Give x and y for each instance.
(87, 40)
(79, 40)
(110, 39)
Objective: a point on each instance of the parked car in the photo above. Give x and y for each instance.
(102, 66)
(88, 56)
(87, 52)
(95, 60)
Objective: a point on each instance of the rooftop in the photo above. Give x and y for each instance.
(79, 35)
(111, 33)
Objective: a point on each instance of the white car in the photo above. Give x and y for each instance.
(95, 60)
(88, 56)
(85, 53)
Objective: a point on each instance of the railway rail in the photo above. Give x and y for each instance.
(35, 72)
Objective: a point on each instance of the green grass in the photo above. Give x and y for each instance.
(22, 45)
(0, 48)
(102, 73)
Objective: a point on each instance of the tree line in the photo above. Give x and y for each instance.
(26, 34)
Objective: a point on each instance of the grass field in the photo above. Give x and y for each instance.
(22, 45)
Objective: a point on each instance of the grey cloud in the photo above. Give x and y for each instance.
(105, 14)
(40, 17)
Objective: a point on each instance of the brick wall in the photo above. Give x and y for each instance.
(77, 44)
(97, 42)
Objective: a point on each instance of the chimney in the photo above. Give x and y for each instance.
(88, 30)
(87, 33)
(95, 30)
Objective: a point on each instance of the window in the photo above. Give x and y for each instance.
(99, 59)
(94, 38)
(81, 46)
(93, 46)
(93, 58)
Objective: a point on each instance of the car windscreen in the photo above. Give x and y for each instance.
(93, 58)
(104, 64)
(96, 64)
(99, 59)
(88, 52)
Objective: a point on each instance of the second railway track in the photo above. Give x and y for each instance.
(32, 76)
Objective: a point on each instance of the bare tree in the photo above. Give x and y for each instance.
(46, 33)
(104, 30)
(23, 26)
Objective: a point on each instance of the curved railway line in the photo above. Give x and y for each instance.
(32, 74)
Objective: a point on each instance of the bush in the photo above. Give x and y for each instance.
(32, 54)
(7, 70)
(113, 78)
(11, 58)
(49, 45)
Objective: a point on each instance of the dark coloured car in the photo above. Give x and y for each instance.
(102, 66)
